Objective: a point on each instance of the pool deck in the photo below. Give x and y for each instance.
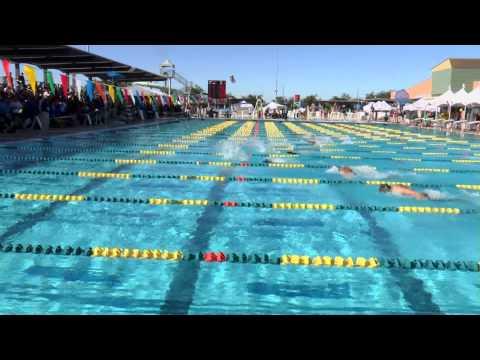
(29, 135)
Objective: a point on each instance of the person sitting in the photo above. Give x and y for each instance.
(403, 190)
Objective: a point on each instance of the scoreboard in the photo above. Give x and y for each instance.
(217, 91)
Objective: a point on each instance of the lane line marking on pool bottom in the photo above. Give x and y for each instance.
(228, 203)
(243, 258)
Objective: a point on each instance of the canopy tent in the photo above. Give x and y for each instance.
(381, 106)
(460, 97)
(474, 96)
(243, 105)
(368, 108)
(446, 98)
(273, 106)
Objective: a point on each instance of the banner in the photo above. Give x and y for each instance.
(6, 69)
(111, 92)
(101, 91)
(64, 79)
(50, 82)
(119, 95)
(79, 88)
(31, 76)
(90, 90)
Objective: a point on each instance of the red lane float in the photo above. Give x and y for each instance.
(214, 257)
(230, 203)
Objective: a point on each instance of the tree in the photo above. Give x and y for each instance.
(251, 99)
(344, 96)
(196, 90)
(309, 100)
(281, 100)
(379, 95)
(290, 103)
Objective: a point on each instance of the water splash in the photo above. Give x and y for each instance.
(232, 151)
(437, 195)
(369, 172)
(346, 140)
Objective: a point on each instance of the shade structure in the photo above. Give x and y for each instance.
(274, 106)
(381, 106)
(474, 97)
(461, 97)
(368, 108)
(446, 98)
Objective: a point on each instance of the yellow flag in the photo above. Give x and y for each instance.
(111, 92)
(31, 76)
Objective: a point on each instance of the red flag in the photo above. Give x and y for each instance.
(64, 79)
(127, 96)
(101, 91)
(6, 68)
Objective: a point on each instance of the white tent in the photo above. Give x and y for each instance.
(445, 99)
(273, 106)
(368, 108)
(243, 106)
(474, 96)
(381, 106)
(460, 97)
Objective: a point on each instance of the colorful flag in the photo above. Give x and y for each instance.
(111, 92)
(64, 79)
(31, 76)
(79, 87)
(50, 82)
(101, 91)
(119, 95)
(90, 90)
(6, 69)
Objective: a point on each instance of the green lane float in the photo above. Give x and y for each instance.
(372, 263)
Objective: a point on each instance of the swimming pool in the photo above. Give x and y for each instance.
(286, 230)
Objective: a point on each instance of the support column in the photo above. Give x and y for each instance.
(17, 74)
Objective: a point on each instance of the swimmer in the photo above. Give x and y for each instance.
(292, 152)
(404, 191)
(346, 172)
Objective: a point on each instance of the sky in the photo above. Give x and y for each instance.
(324, 70)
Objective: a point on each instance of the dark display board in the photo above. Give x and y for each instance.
(217, 89)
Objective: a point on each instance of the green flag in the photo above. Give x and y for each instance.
(119, 94)
(50, 82)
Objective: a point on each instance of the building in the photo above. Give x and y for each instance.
(453, 73)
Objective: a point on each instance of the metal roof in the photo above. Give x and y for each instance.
(69, 59)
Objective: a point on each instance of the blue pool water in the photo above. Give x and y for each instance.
(41, 284)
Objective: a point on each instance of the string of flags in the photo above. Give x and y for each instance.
(133, 95)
